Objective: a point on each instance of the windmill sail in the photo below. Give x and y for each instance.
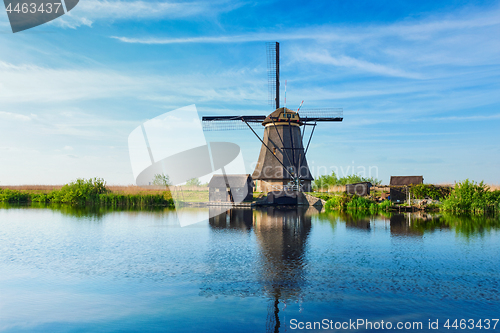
(305, 117)
(273, 73)
(323, 114)
(225, 123)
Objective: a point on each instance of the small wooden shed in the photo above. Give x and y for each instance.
(230, 188)
(399, 186)
(360, 189)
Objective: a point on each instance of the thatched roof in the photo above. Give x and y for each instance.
(406, 180)
(360, 183)
(218, 181)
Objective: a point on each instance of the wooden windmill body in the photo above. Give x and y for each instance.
(285, 160)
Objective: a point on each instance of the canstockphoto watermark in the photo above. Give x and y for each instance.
(26, 14)
(380, 325)
(355, 324)
(172, 148)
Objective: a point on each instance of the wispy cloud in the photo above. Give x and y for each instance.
(409, 30)
(13, 116)
(410, 49)
(254, 37)
(25, 83)
(89, 11)
(346, 61)
(29, 83)
(466, 118)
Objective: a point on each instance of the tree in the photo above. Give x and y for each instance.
(193, 182)
(161, 180)
(326, 181)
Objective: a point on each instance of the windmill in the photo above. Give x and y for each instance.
(282, 163)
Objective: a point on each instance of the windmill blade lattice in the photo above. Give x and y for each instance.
(322, 114)
(273, 73)
(224, 123)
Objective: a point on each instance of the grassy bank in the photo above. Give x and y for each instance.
(465, 197)
(87, 192)
(346, 202)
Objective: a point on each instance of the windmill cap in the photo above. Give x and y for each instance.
(276, 116)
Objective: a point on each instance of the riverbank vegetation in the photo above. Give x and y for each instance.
(464, 197)
(346, 202)
(469, 196)
(423, 191)
(88, 192)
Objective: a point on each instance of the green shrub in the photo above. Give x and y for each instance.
(80, 192)
(422, 191)
(324, 182)
(469, 196)
(337, 203)
(344, 202)
(8, 195)
(357, 202)
(385, 205)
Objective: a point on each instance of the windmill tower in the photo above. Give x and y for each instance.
(282, 156)
(282, 163)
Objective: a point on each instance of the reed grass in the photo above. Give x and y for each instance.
(88, 192)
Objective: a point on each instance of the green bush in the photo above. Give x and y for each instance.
(323, 182)
(347, 202)
(337, 203)
(385, 205)
(422, 191)
(469, 196)
(357, 202)
(80, 192)
(8, 195)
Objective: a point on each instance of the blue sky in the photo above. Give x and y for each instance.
(419, 83)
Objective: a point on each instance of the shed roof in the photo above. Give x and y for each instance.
(233, 180)
(406, 180)
(361, 183)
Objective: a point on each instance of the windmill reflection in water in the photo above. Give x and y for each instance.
(281, 233)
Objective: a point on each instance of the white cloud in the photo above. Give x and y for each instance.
(89, 11)
(13, 116)
(25, 83)
(398, 49)
(255, 37)
(466, 118)
(409, 30)
(28, 83)
(345, 61)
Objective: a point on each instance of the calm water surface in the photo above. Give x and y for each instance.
(265, 270)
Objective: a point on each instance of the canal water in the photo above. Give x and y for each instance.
(261, 270)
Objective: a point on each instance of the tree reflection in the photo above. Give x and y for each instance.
(91, 212)
(417, 224)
